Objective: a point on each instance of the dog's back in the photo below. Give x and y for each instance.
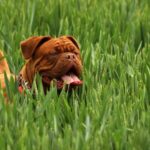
(3, 68)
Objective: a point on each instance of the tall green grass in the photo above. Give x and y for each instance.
(112, 109)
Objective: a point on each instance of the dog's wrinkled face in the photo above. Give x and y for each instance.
(56, 59)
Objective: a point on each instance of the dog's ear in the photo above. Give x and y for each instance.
(73, 41)
(29, 45)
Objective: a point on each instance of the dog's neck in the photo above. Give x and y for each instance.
(27, 73)
(26, 77)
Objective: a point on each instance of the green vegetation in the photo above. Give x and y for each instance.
(112, 109)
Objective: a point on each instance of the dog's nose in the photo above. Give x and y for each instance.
(70, 56)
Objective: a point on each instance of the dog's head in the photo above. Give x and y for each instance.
(55, 59)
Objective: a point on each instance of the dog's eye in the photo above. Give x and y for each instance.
(52, 52)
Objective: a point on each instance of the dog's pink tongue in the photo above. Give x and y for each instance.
(71, 79)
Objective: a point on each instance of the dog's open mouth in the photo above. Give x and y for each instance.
(70, 79)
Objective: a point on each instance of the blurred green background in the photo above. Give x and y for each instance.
(112, 109)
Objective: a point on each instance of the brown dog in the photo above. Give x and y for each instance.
(56, 59)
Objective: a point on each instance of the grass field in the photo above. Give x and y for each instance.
(112, 109)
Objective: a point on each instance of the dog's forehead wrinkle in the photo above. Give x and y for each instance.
(57, 45)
